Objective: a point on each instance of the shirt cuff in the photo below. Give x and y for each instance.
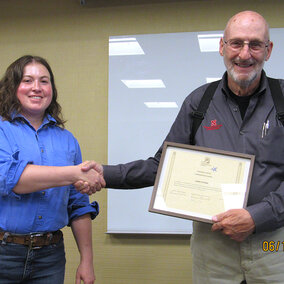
(262, 214)
(112, 176)
(15, 171)
(82, 209)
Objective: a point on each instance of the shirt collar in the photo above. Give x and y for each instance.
(48, 119)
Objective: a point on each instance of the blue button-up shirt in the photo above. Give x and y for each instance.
(46, 210)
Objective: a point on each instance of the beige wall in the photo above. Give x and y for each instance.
(74, 39)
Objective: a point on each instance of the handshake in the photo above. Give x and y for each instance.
(90, 178)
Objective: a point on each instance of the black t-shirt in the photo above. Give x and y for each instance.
(242, 102)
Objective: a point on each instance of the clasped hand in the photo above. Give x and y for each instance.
(91, 178)
(235, 223)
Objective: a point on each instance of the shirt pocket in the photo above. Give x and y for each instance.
(62, 158)
(271, 147)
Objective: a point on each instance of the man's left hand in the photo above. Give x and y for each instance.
(235, 223)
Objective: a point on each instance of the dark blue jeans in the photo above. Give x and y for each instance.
(21, 265)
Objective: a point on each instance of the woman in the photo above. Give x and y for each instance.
(39, 162)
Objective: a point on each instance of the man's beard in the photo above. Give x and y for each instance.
(244, 83)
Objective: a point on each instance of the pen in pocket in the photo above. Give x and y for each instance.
(265, 128)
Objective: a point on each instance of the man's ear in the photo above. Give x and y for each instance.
(269, 50)
(221, 46)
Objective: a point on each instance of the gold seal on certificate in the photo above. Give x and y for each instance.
(197, 183)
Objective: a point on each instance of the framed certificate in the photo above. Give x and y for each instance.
(197, 183)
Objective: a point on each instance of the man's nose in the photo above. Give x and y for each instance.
(245, 51)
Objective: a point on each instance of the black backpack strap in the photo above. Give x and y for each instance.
(199, 114)
(277, 97)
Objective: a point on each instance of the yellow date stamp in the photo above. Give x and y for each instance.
(271, 246)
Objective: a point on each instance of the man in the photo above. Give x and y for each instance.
(232, 250)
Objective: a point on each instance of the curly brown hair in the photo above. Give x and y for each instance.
(10, 82)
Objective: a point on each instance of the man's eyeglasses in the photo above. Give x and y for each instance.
(238, 44)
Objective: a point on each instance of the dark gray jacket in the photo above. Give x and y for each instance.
(266, 198)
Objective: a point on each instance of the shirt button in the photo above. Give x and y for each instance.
(43, 192)
(235, 109)
(241, 132)
(42, 150)
(40, 217)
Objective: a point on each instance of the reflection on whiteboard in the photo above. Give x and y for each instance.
(149, 77)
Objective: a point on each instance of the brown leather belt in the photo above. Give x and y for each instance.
(33, 240)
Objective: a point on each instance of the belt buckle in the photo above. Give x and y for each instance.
(32, 240)
(5, 236)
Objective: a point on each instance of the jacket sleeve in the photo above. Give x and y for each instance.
(268, 214)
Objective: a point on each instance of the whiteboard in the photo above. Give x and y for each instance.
(144, 72)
